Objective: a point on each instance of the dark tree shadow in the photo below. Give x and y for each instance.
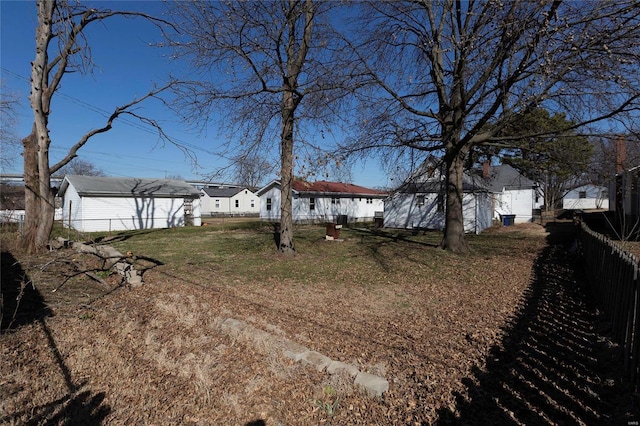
(21, 303)
(276, 234)
(396, 235)
(554, 366)
(79, 409)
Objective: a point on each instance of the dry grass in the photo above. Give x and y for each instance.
(443, 329)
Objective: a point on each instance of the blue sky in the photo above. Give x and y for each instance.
(126, 67)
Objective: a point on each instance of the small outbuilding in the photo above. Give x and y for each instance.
(419, 203)
(95, 203)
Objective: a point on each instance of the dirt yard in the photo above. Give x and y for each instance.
(502, 336)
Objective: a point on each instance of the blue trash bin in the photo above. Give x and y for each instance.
(508, 219)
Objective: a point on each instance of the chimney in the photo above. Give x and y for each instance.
(485, 169)
(621, 154)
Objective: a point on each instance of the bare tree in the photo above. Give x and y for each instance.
(9, 141)
(60, 32)
(264, 68)
(81, 168)
(250, 170)
(447, 69)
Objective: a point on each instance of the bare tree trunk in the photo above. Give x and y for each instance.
(39, 199)
(286, 178)
(39, 207)
(454, 239)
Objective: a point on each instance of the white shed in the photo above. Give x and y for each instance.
(93, 204)
(419, 203)
(586, 197)
(323, 201)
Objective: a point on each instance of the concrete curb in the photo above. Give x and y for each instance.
(371, 384)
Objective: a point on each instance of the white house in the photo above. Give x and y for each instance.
(92, 204)
(513, 194)
(586, 197)
(229, 201)
(322, 202)
(419, 203)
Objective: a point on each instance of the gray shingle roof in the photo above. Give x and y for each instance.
(222, 192)
(126, 187)
(506, 177)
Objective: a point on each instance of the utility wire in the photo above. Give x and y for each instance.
(124, 120)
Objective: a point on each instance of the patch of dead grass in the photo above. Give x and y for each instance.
(392, 305)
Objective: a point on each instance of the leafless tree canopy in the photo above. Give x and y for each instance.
(239, 53)
(81, 168)
(451, 74)
(61, 48)
(9, 141)
(261, 70)
(251, 170)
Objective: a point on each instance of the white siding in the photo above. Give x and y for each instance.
(118, 214)
(402, 210)
(356, 208)
(518, 202)
(218, 205)
(595, 198)
(206, 203)
(274, 195)
(407, 211)
(72, 209)
(248, 203)
(94, 214)
(245, 199)
(327, 209)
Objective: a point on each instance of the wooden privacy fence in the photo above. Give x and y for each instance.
(613, 276)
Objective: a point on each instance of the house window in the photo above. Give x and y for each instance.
(582, 194)
(335, 200)
(420, 200)
(440, 202)
(253, 203)
(217, 204)
(268, 204)
(369, 200)
(237, 203)
(312, 203)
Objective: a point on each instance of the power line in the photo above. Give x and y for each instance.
(127, 121)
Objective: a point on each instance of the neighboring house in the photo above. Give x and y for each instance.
(419, 203)
(586, 197)
(513, 194)
(229, 201)
(322, 202)
(12, 208)
(92, 204)
(11, 203)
